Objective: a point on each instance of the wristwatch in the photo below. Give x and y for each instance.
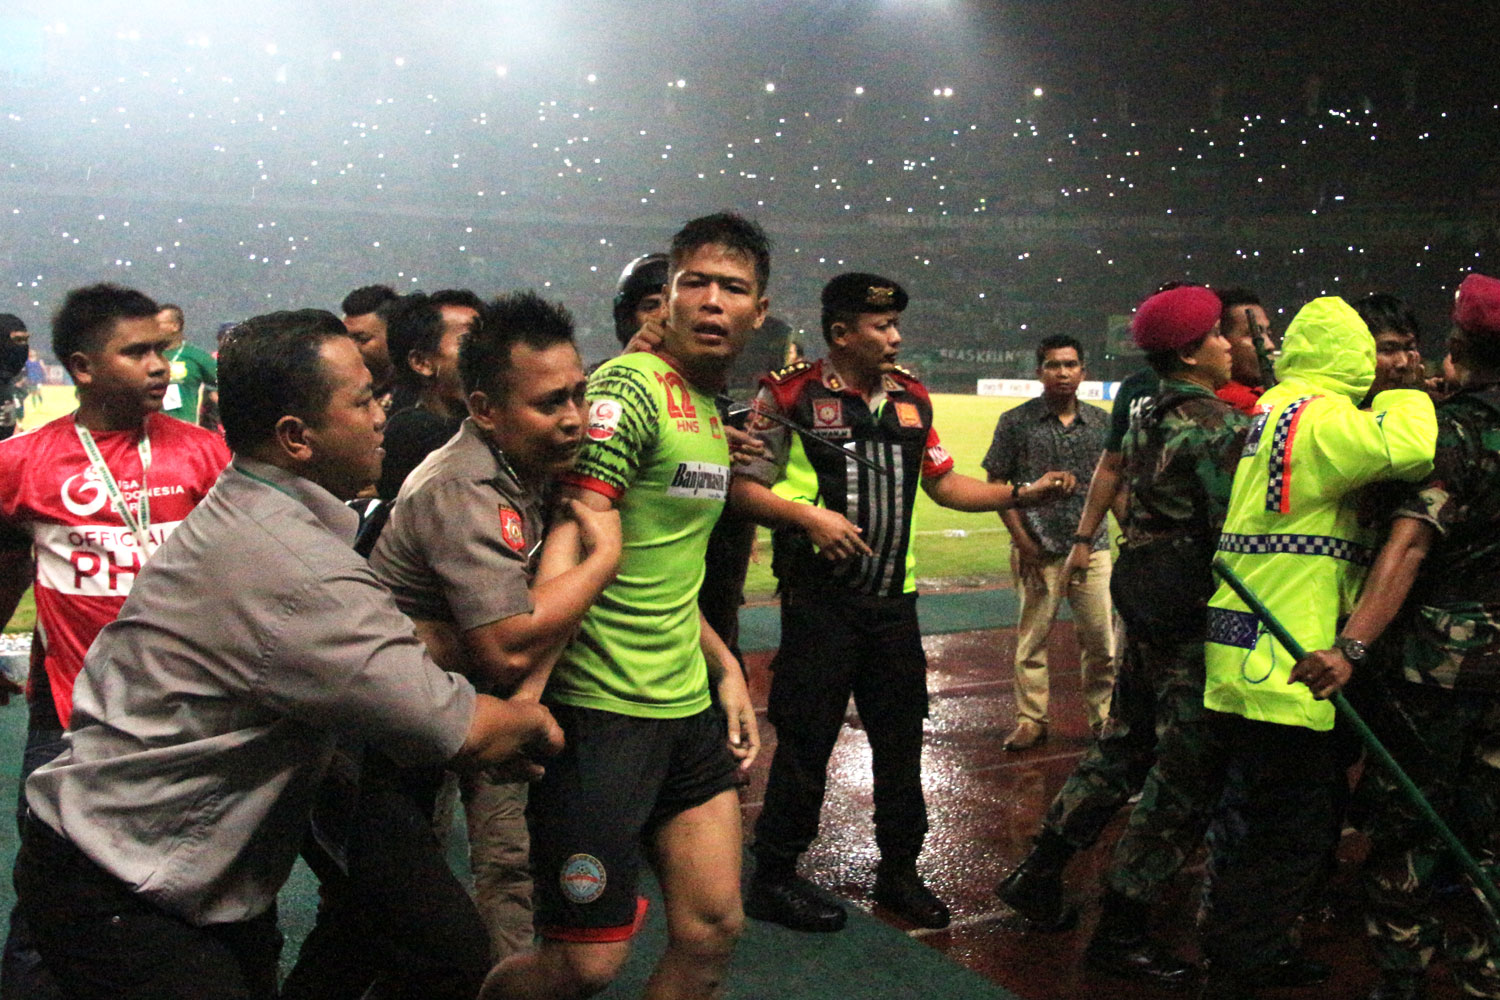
(1354, 651)
(1083, 539)
(1017, 488)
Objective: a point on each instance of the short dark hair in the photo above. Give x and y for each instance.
(1476, 351)
(174, 307)
(518, 318)
(1056, 342)
(1231, 299)
(88, 315)
(1167, 361)
(731, 231)
(368, 299)
(11, 323)
(414, 324)
(1383, 311)
(270, 368)
(456, 297)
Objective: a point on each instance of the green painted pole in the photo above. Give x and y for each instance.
(1481, 879)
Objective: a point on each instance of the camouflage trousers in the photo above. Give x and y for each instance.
(1158, 740)
(1449, 743)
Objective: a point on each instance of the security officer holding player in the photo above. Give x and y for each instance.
(1438, 579)
(839, 491)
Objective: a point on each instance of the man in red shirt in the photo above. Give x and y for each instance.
(1244, 324)
(93, 494)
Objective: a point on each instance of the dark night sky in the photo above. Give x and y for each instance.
(1169, 50)
(280, 155)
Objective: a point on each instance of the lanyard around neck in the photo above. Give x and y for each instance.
(139, 522)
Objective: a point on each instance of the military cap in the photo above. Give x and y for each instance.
(1174, 318)
(1476, 306)
(857, 292)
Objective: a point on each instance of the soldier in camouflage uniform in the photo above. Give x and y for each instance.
(1438, 577)
(1179, 458)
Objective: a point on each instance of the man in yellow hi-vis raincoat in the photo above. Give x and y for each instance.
(1293, 535)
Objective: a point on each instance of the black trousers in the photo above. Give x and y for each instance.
(103, 941)
(395, 912)
(834, 644)
(22, 974)
(1270, 841)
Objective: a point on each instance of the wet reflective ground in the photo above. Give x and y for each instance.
(985, 805)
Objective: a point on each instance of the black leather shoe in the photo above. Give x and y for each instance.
(1399, 987)
(1138, 958)
(795, 903)
(903, 892)
(1035, 891)
(1293, 972)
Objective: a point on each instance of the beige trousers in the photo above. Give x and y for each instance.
(1090, 604)
(499, 855)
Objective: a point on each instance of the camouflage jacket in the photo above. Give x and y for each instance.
(1452, 617)
(1179, 463)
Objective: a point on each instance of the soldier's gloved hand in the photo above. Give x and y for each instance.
(1324, 672)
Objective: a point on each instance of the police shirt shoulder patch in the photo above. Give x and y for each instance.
(512, 530)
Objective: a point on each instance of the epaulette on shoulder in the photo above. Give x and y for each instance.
(905, 375)
(795, 368)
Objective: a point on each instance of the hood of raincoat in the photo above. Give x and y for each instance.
(1329, 345)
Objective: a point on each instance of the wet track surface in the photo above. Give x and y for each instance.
(985, 805)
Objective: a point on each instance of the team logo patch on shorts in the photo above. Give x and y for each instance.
(511, 529)
(604, 417)
(582, 878)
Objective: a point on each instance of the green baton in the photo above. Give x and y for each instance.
(1481, 879)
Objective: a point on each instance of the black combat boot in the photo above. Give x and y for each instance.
(1035, 889)
(1121, 946)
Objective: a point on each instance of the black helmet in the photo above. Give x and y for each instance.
(642, 277)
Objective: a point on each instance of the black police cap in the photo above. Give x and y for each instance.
(858, 292)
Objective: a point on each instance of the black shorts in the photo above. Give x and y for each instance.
(618, 779)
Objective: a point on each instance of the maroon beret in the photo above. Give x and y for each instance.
(1476, 307)
(1174, 318)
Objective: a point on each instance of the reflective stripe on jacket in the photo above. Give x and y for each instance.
(1292, 532)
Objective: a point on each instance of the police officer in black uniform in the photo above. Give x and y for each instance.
(839, 492)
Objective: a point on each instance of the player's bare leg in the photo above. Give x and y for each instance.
(697, 859)
(557, 970)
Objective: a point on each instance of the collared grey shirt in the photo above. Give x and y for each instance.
(1030, 440)
(462, 541)
(207, 712)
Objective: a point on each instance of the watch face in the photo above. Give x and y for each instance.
(1353, 649)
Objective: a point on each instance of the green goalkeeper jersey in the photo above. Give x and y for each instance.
(656, 447)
